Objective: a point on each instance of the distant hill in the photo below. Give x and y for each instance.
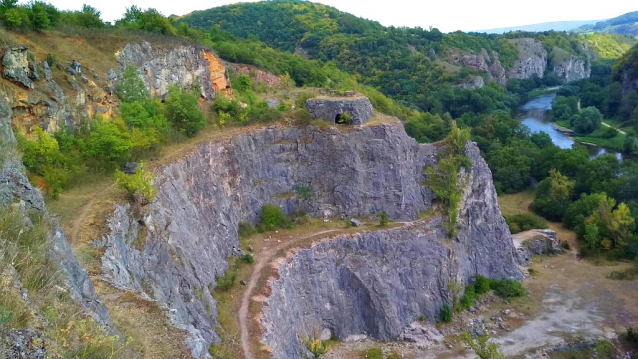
(544, 26)
(626, 24)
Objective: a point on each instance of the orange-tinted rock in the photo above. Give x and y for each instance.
(218, 74)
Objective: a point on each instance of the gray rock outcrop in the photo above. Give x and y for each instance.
(532, 59)
(14, 187)
(160, 68)
(376, 284)
(572, 69)
(330, 109)
(535, 242)
(17, 67)
(191, 227)
(476, 83)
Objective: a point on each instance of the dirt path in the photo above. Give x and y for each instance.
(263, 259)
(610, 126)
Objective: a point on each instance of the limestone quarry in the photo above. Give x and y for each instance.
(357, 285)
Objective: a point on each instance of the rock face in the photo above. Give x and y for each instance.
(178, 245)
(375, 284)
(161, 68)
(535, 242)
(15, 188)
(475, 83)
(17, 67)
(491, 65)
(218, 73)
(532, 59)
(496, 71)
(330, 109)
(572, 69)
(256, 74)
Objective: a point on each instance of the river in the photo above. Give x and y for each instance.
(535, 117)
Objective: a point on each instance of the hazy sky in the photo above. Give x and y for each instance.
(446, 15)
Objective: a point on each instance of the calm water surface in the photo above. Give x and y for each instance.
(534, 116)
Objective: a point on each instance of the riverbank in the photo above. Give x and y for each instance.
(599, 138)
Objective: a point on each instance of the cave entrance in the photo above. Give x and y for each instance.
(341, 119)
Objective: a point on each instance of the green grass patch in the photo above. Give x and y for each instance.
(373, 353)
(524, 222)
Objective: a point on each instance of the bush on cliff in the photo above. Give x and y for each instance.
(183, 111)
(272, 217)
(138, 185)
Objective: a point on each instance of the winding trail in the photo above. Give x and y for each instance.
(264, 258)
(267, 257)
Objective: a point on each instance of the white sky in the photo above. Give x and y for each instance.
(446, 15)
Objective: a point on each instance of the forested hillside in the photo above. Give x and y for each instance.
(626, 24)
(407, 64)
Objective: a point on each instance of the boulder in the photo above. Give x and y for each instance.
(535, 242)
(422, 334)
(16, 66)
(355, 222)
(331, 109)
(48, 74)
(273, 102)
(130, 168)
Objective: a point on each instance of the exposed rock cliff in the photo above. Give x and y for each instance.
(160, 68)
(532, 59)
(41, 101)
(191, 228)
(572, 69)
(376, 284)
(15, 188)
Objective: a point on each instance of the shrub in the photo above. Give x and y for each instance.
(13, 17)
(482, 347)
(303, 191)
(446, 313)
(227, 105)
(138, 185)
(246, 230)
(51, 60)
(248, 258)
(507, 288)
(132, 87)
(604, 349)
(227, 281)
(345, 118)
(108, 144)
(481, 284)
(631, 336)
(468, 298)
(524, 222)
(272, 217)
(315, 346)
(182, 110)
(383, 218)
